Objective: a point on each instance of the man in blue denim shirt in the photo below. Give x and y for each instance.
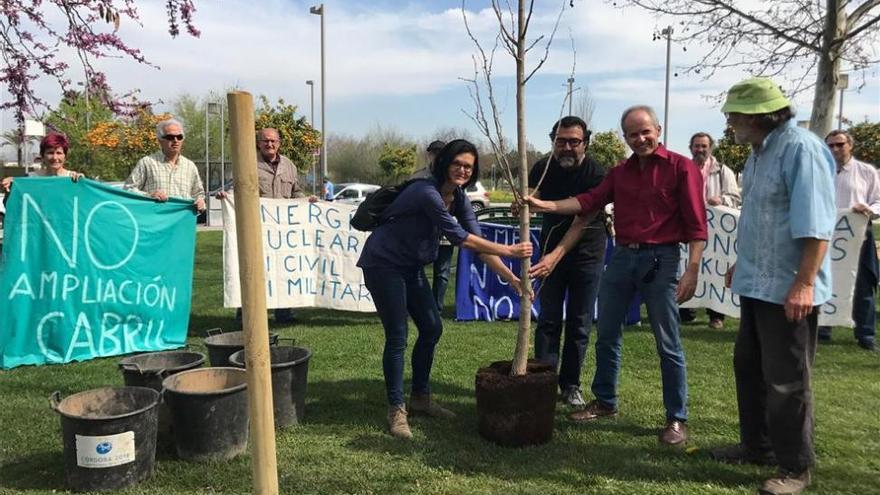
(782, 276)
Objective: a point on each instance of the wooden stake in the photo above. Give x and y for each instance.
(253, 292)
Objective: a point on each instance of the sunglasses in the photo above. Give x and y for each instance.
(173, 137)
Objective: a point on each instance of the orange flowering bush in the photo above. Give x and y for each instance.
(116, 145)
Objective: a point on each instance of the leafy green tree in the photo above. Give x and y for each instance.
(190, 109)
(353, 159)
(731, 154)
(75, 116)
(299, 140)
(607, 148)
(397, 161)
(867, 142)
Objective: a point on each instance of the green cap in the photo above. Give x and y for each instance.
(755, 96)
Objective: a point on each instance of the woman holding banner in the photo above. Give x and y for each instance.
(393, 259)
(53, 154)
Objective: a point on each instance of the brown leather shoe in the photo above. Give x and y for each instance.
(674, 433)
(594, 410)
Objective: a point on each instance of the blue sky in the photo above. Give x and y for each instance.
(397, 65)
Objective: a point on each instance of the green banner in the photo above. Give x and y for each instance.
(88, 270)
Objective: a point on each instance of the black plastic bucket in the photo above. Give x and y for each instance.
(209, 412)
(290, 371)
(149, 370)
(109, 436)
(222, 345)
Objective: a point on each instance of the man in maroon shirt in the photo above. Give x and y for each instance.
(658, 203)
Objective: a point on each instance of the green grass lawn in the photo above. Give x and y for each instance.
(342, 446)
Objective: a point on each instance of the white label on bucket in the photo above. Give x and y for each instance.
(104, 452)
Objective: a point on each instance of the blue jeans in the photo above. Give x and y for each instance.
(442, 266)
(579, 277)
(397, 294)
(653, 272)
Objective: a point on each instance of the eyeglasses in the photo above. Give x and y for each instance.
(464, 167)
(173, 137)
(573, 142)
(836, 145)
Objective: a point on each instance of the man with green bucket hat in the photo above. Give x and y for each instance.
(782, 276)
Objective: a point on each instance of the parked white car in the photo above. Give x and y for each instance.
(353, 192)
(478, 195)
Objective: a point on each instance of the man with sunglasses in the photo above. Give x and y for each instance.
(658, 203)
(782, 275)
(857, 185)
(167, 173)
(573, 252)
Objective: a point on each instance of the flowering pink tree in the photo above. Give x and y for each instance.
(35, 36)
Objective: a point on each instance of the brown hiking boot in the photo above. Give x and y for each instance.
(786, 483)
(397, 424)
(595, 409)
(422, 404)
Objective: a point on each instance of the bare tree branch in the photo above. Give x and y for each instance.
(547, 46)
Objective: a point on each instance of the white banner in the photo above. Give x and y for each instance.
(720, 253)
(310, 254)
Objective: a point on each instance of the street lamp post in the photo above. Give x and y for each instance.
(319, 10)
(667, 31)
(570, 93)
(311, 85)
(211, 108)
(842, 84)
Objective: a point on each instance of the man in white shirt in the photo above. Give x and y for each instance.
(167, 173)
(857, 186)
(720, 188)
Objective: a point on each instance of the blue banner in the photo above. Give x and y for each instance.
(482, 295)
(89, 270)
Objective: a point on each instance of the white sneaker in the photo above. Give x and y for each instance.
(571, 396)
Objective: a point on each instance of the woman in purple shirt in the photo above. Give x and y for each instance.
(393, 259)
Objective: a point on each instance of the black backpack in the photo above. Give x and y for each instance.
(369, 213)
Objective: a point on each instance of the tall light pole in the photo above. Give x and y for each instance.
(570, 93)
(319, 10)
(210, 108)
(667, 31)
(311, 85)
(842, 84)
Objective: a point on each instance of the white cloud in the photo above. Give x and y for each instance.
(376, 53)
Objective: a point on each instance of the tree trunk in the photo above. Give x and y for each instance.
(521, 355)
(828, 72)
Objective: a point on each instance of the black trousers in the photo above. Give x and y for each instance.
(773, 360)
(577, 278)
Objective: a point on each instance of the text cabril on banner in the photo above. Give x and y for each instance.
(89, 270)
